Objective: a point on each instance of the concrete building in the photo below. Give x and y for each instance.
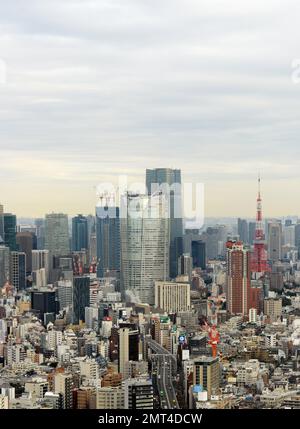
(172, 296)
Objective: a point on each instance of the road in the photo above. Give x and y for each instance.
(165, 368)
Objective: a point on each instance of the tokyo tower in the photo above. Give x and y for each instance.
(259, 263)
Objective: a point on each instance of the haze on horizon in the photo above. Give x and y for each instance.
(95, 89)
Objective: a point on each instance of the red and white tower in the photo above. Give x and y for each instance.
(259, 263)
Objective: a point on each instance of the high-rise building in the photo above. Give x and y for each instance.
(43, 301)
(297, 237)
(144, 244)
(65, 294)
(26, 242)
(185, 265)
(199, 254)
(243, 231)
(169, 182)
(273, 308)
(207, 374)
(79, 233)
(173, 296)
(10, 231)
(1, 224)
(251, 237)
(57, 234)
(81, 297)
(40, 233)
(40, 259)
(108, 238)
(274, 241)
(138, 394)
(4, 265)
(63, 384)
(238, 278)
(18, 270)
(128, 347)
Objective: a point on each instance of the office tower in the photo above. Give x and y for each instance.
(138, 394)
(243, 230)
(274, 241)
(91, 317)
(10, 231)
(57, 234)
(251, 238)
(63, 384)
(207, 374)
(144, 245)
(1, 224)
(185, 265)
(26, 242)
(238, 278)
(39, 278)
(81, 298)
(4, 265)
(215, 238)
(128, 347)
(65, 294)
(18, 270)
(40, 233)
(110, 398)
(198, 250)
(108, 237)
(289, 235)
(93, 249)
(79, 233)
(40, 260)
(43, 301)
(172, 296)
(161, 179)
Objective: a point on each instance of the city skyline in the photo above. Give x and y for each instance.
(118, 88)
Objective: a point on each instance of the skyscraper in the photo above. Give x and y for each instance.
(274, 240)
(1, 224)
(107, 238)
(199, 254)
(10, 231)
(79, 233)
(57, 234)
(144, 244)
(18, 270)
(128, 347)
(155, 178)
(81, 298)
(27, 242)
(4, 265)
(238, 278)
(243, 230)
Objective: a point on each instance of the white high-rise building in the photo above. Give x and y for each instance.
(144, 244)
(65, 293)
(63, 385)
(40, 260)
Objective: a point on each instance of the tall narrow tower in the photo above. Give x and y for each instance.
(259, 264)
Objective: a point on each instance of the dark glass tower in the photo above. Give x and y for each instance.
(108, 239)
(10, 231)
(156, 178)
(199, 254)
(81, 298)
(79, 233)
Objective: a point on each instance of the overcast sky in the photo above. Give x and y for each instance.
(99, 88)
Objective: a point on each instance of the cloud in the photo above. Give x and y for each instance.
(99, 88)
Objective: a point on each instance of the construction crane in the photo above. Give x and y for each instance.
(214, 338)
